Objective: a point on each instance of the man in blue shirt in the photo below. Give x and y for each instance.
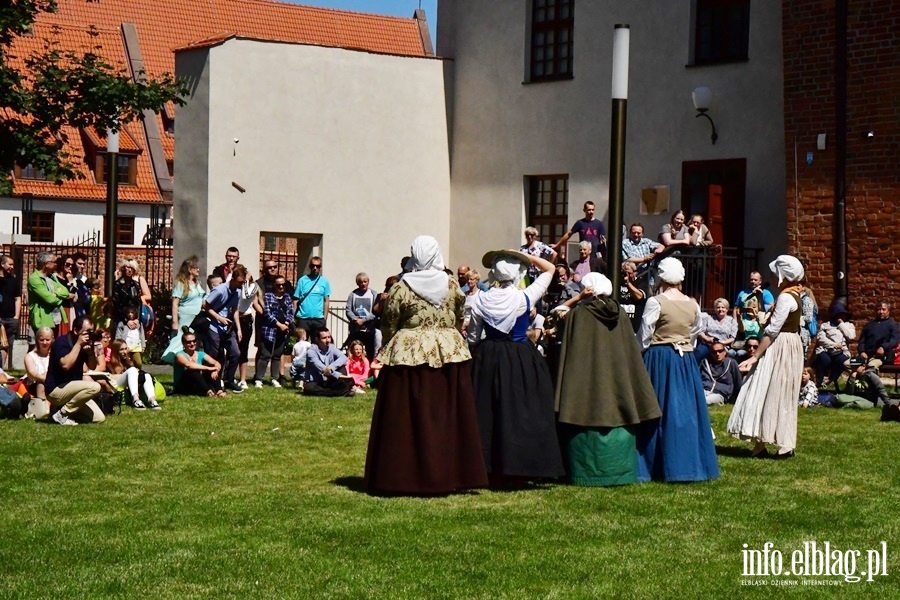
(768, 300)
(325, 368)
(588, 229)
(224, 331)
(313, 296)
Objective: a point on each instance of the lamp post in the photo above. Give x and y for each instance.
(621, 39)
(112, 209)
(702, 97)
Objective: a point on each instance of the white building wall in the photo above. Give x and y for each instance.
(503, 129)
(349, 145)
(74, 218)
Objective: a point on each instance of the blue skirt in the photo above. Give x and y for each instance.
(679, 446)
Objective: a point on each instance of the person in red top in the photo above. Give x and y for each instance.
(358, 366)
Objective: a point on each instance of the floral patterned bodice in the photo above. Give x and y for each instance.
(417, 332)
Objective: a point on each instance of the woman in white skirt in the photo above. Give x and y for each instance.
(766, 408)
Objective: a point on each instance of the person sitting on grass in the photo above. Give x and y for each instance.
(131, 332)
(196, 373)
(721, 376)
(809, 392)
(864, 389)
(358, 366)
(37, 361)
(127, 375)
(324, 368)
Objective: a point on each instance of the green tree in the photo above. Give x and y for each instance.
(61, 87)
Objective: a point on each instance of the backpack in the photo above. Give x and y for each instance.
(813, 325)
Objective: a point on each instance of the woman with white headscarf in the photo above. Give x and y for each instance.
(513, 390)
(766, 408)
(603, 389)
(678, 447)
(424, 437)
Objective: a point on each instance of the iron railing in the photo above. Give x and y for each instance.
(711, 272)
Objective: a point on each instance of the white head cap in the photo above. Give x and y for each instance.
(787, 268)
(506, 269)
(671, 270)
(425, 253)
(601, 284)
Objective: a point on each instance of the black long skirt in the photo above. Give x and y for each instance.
(514, 395)
(424, 437)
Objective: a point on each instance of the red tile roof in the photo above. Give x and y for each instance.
(164, 25)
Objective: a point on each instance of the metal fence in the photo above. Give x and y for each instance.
(25, 259)
(713, 272)
(157, 267)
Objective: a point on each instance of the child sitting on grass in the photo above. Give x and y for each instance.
(131, 332)
(127, 375)
(358, 366)
(809, 393)
(298, 356)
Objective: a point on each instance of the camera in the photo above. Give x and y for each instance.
(95, 335)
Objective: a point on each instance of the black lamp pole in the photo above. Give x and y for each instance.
(621, 38)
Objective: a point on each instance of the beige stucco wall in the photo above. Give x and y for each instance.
(503, 129)
(349, 145)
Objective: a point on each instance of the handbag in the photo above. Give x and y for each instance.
(200, 324)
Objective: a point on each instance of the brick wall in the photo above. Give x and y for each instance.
(872, 164)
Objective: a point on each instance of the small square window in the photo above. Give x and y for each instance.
(721, 31)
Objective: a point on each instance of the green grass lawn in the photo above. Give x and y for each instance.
(260, 495)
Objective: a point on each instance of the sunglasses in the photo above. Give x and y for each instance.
(315, 266)
(68, 264)
(279, 285)
(190, 341)
(270, 267)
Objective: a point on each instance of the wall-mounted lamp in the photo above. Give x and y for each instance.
(702, 97)
(870, 134)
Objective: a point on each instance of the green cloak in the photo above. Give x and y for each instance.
(602, 379)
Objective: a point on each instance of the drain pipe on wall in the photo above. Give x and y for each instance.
(839, 250)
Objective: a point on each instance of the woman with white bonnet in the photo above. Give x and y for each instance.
(604, 391)
(678, 447)
(766, 408)
(424, 437)
(513, 389)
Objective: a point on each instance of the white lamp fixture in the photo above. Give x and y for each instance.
(702, 97)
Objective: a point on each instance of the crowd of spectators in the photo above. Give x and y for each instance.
(73, 326)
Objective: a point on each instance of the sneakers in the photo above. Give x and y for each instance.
(275, 383)
(258, 384)
(62, 419)
(153, 404)
(243, 385)
(138, 405)
(359, 390)
(234, 387)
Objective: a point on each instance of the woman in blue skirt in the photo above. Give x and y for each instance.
(678, 447)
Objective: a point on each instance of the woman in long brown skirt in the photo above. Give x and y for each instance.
(424, 437)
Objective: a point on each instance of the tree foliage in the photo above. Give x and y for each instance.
(60, 87)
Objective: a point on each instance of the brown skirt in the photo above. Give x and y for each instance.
(424, 437)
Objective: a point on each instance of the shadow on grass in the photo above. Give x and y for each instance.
(357, 484)
(733, 451)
